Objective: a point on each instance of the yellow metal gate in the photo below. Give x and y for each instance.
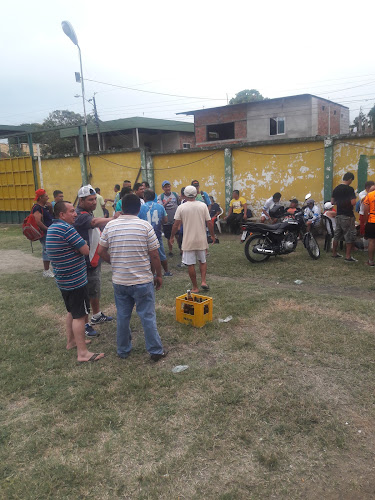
(17, 188)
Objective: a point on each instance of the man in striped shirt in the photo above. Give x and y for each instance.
(128, 244)
(66, 250)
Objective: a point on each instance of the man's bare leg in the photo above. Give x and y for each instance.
(170, 246)
(203, 270)
(95, 305)
(164, 263)
(193, 277)
(335, 244)
(348, 250)
(78, 327)
(71, 343)
(371, 250)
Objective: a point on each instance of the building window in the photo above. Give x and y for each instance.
(323, 108)
(277, 126)
(220, 132)
(186, 145)
(334, 112)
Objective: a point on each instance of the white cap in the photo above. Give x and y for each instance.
(328, 205)
(86, 191)
(190, 192)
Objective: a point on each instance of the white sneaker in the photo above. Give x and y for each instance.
(48, 274)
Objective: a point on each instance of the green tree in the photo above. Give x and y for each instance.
(247, 95)
(51, 141)
(371, 115)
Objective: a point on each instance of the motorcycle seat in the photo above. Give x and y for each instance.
(265, 227)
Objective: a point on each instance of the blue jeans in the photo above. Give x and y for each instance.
(143, 296)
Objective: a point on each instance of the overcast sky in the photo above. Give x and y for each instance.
(197, 49)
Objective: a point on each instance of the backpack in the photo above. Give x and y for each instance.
(162, 196)
(31, 229)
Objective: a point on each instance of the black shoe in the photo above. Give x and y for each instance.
(158, 357)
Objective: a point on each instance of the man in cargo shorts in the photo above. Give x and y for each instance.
(344, 197)
(195, 217)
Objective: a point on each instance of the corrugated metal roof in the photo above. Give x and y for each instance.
(6, 130)
(133, 123)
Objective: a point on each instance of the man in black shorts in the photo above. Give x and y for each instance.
(67, 251)
(344, 197)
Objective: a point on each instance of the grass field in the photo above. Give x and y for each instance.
(278, 403)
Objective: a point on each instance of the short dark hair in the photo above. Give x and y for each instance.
(137, 185)
(147, 185)
(97, 190)
(348, 176)
(117, 186)
(369, 184)
(128, 181)
(149, 195)
(125, 191)
(56, 192)
(194, 182)
(183, 191)
(276, 196)
(59, 207)
(131, 204)
(236, 191)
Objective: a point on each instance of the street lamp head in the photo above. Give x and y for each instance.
(69, 32)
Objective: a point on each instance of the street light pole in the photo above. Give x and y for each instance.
(70, 33)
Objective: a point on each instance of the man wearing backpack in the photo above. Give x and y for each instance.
(170, 201)
(42, 211)
(88, 228)
(155, 215)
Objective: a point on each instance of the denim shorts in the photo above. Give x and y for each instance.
(162, 255)
(44, 251)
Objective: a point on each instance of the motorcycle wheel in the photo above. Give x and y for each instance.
(256, 239)
(312, 246)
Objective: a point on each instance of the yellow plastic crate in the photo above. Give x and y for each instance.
(195, 312)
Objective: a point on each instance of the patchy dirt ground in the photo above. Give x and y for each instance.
(15, 261)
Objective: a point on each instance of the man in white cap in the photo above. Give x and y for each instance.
(195, 217)
(87, 225)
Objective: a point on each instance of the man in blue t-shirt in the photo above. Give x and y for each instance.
(155, 215)
(67, 250)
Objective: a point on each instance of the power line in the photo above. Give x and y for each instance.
(152, 92)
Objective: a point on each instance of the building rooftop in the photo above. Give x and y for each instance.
(7, 130)
(133, 123)
(255, 103)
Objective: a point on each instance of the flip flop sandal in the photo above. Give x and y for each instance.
(93, 358)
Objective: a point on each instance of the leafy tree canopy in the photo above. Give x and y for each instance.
(50, 142)
(247, 95)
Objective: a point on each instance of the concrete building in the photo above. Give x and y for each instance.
(153, 134)
(291, 117)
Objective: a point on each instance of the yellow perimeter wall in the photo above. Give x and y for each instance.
(181, 168)
(65, 173)
(293, 169)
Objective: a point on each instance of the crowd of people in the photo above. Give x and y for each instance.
(76, 240)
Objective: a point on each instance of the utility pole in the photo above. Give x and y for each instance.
(96, 120)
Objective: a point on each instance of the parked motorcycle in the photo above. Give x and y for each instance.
(264, 240)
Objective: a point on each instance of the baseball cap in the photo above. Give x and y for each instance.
(39, 193)
(86, 191)
(310, 201)
(164, 183)
(294, 200)
(328, 205)
(190, 192)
